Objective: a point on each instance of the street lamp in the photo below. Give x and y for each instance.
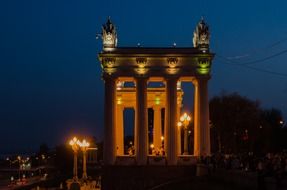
(184, 121)
(75, 146)
(84, 146)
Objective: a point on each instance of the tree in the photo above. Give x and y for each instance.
(271, 122)
(235, 121)
(238, 124)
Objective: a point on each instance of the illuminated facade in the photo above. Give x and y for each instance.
(142, 66)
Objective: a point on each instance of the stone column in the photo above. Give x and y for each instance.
(120, 130)
(141, 121)
(178, 128)
(171, 129)
(157, 127)
(109, 130)
(201, 118)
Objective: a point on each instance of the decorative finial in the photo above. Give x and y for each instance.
(201, 36)
(109, 35)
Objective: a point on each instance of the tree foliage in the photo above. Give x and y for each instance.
(239, 124)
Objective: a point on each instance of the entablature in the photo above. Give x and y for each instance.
(189, 62)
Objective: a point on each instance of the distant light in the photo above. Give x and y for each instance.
(139, 45)
(281, 122)
(174, 44)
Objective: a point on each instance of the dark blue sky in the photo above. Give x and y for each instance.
(50, 77)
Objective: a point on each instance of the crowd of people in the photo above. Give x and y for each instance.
(270, 165)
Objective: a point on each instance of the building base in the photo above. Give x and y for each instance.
(142, 177)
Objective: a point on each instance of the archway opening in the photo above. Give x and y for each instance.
(129, 131)
(187, 132)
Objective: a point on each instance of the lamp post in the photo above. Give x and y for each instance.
(84, 147)
(162, 141)
(184, 121)
(75, 146)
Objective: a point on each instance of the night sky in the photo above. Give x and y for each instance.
(50, 76)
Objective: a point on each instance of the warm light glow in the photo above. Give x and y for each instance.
(74, 141)
(281, 122)
(157, 100)
(152, 146)
(119, 100)
(74, 144)
(84, 144)
(162, 138)
(141, 71)
(184, 120)
(178, 85)
(120, 85)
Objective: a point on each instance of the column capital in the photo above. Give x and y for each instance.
(106, 77)
(201, 78)
(171, 78)
(141, 77)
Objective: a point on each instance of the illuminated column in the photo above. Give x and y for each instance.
(157, 127)
(201, 119)
(141, 121)
(110, 135)
(178, 129)
(135, 129)
(120, 129)
(171, 122)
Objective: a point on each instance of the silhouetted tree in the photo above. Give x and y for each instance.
(238, 124)
(235, 121)
(276, 133)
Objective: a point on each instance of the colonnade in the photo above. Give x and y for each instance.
(114, 132)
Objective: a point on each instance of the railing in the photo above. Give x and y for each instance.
(157, 160)
(126, 160)
(187, 160)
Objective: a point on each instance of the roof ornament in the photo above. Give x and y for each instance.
(201, 36)
(109, 35)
